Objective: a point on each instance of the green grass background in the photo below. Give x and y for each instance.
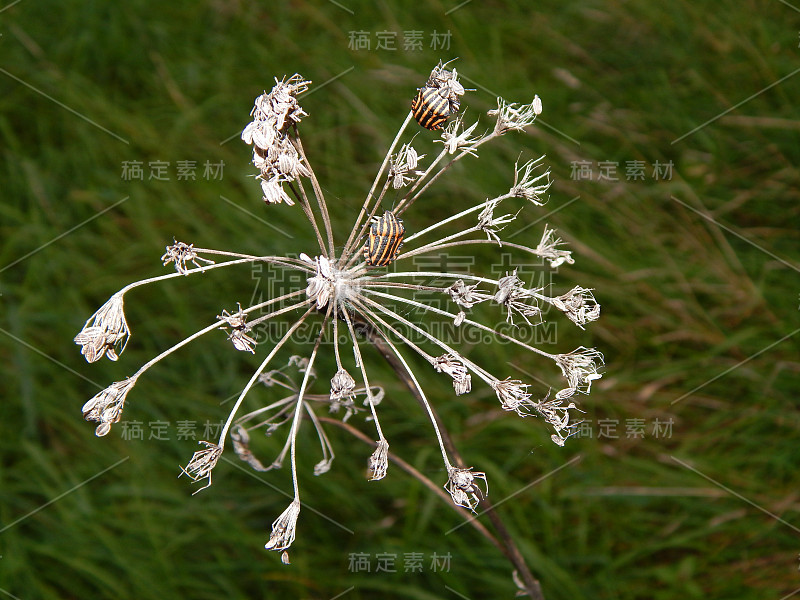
(691, 309)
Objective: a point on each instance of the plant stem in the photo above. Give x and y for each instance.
(507, 544)
(408, 468)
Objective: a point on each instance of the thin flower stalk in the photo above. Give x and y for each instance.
(216, 325)
(483, 374)
(443, 242)
(305, 204)
(223, 434)
(317, 193)
(360, 363)
(299, 408)
(421, 392)
(353, 235)
(481, 326)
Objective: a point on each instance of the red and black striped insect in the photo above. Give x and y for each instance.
(431, 107)
(384, 240)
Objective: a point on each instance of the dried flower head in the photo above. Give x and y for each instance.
(578, 305)
(557, 414)
(342, 386)
(403, 167)
(106, 406)
(284, 528)
(513, 395)
(180, 253)
(529, 185)
(515, 117)
(236, 323)
(378, 461)
(450, 364)
(105, 331)
(202, 463)
(275, 112)
(490, 224)
(274, 153)
(548, 249)
(512, 294)
(464, 490)
(455, 137)
(581, 367)
(347, 298)
(463, 294)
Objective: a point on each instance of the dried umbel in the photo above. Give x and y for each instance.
(349, 299)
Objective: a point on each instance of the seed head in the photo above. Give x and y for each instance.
(237, 323)
(463, 489)
(548, 250)
(513, 395)
(490, 224)
(378, 462)
(181, 253)
(529, 185)
(453, 366)
(515, 117)
(342, 386)
(106, 406)
(284, 528)
(202, 463)
(105, 330)
(578, 305)
(580, 367)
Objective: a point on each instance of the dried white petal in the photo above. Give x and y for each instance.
(537, 105)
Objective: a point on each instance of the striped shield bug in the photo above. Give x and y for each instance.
(431, 107)
(384, 240)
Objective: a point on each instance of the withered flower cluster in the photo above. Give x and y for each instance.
(343, 294)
